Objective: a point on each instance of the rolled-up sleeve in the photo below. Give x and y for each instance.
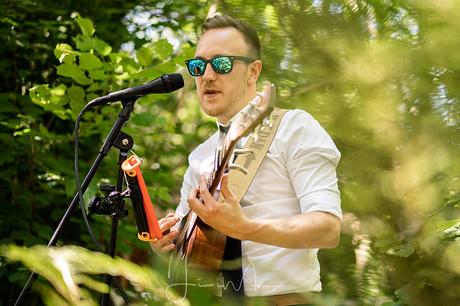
(311, 158)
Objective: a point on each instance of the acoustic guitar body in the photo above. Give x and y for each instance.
(198, 254)
(205, 248)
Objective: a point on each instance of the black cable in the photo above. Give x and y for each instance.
(77, 179)
(80, 197)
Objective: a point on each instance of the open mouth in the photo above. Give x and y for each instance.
(211, 92)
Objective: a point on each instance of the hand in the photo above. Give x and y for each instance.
(166, 243)
(226, 217)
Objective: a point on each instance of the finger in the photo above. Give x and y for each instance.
(166, 218)
(167, 224)
(194, 203)
(168, 248)
(193, 194)
(204, 192)
(157, 245)
(170, 236)
(162, 248)
(227, 193)
(163, 241)
(203, 185)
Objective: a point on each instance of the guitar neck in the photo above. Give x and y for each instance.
(223, 164)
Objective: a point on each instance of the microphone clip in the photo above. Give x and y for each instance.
(111, 204)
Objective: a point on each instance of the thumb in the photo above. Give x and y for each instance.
(227, 193)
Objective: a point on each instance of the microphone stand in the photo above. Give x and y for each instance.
(123, 116)
(113, 205)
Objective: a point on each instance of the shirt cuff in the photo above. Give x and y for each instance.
(321, 200)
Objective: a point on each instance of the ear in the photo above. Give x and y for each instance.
(254, 70)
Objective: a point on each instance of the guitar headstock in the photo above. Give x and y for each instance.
(253, 114)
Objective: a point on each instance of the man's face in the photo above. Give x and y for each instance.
(223, 95)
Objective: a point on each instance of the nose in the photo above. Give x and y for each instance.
(209, 73)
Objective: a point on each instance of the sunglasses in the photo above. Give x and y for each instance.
(221, 64)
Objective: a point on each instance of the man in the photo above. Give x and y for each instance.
(292, 207)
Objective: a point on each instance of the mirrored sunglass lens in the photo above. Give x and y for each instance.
(222, 64)
(196, 67)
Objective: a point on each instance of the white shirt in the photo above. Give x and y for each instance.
(298, 175)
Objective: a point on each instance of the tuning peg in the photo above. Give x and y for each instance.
(239, 168)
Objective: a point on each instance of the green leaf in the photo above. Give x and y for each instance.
(76, 94)
(117, 58)
(98, 74)
(93, 284)
(91, 96)
(101, 46)
(86, 43)
(144, 55)
(59, 90)
(9, 21)
(78, 263)
(62, 50)
(158, 70)
(70, 58)
(50, 99)
(43, 132)
(74, 72)
(40, 94)
(162, 49)
(49, 295)
(96, 85)
(89, 61)
(86, 26)
(77, 101)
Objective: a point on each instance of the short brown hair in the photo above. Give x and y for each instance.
(225, 21)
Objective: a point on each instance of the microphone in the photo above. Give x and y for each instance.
(164, 84)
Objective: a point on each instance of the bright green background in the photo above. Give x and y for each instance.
(383, 78)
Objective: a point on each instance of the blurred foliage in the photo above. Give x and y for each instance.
(381, 77)
(67, 269)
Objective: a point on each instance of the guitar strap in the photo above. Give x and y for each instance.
(239, 184)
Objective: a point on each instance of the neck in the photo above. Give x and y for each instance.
(251, 94)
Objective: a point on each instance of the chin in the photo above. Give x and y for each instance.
(211, 109)
(212, 112)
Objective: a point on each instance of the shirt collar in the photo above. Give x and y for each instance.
(224, 127)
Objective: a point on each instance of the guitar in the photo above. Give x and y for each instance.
(199, 245)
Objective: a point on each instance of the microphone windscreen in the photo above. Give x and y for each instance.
(173, 81)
